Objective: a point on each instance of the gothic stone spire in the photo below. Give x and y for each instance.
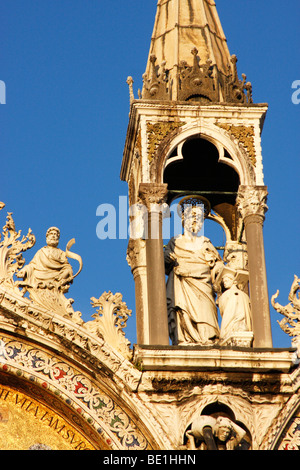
(189, 58)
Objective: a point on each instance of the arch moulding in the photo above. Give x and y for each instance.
(69, 380)
(223, 141)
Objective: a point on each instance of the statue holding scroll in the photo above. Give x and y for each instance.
(49, 275)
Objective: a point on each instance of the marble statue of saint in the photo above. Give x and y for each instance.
(191, 262)
(234, 305)
(49, 267)
(210, 433)
(49, 275)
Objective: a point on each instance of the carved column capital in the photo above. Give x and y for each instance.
(136, 254)
(153, 193)
(252, 201)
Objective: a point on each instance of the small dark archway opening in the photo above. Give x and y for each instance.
(216, 410)
(197, 170)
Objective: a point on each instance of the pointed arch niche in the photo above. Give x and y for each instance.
(202, 165)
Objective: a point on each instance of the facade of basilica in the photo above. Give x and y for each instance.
(191, 382)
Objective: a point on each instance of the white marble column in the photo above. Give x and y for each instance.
(252, 206)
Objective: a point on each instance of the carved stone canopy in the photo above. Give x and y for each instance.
(189, 59)
(200, 82)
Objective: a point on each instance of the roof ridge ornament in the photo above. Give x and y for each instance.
(200, 82)
(235, 88)
(197, 82)
(156, 86)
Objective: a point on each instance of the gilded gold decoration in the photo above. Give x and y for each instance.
(157, 132)
(26, 423)
(245, 135)
(55, 374)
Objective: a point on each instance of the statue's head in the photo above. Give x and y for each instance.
(223, 429)
(193, 219)
(193, 211)
(228, 280)
(52, 236)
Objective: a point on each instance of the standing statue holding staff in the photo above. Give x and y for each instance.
(192, 263)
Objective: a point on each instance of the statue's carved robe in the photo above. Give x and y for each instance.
(235, 311)
(48, 268)
(192, 311)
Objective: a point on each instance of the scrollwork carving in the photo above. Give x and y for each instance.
(110, 320)
(245, 136)
(57, 374)
(12, 246)
(290, 324)
(156, 134)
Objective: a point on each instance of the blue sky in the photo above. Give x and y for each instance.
(63, 127)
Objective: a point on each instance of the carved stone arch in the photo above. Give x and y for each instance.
(81, 384)
(226, 162)
(94, 408)
(49, 419)
(284, 434)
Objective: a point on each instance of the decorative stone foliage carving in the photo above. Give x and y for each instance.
(157, 132)
(235, 308)
(12, 245)
(290, 438)
(290, 324)
(156, 85)
(110, 320)
(234, 87)
(56, 375)
(47, 279)
(153, 194)
(245, 136)
(130, 82)
(252, 200)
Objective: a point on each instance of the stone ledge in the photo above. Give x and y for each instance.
(192, 358)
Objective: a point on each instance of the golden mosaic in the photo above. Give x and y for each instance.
(26, 424)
